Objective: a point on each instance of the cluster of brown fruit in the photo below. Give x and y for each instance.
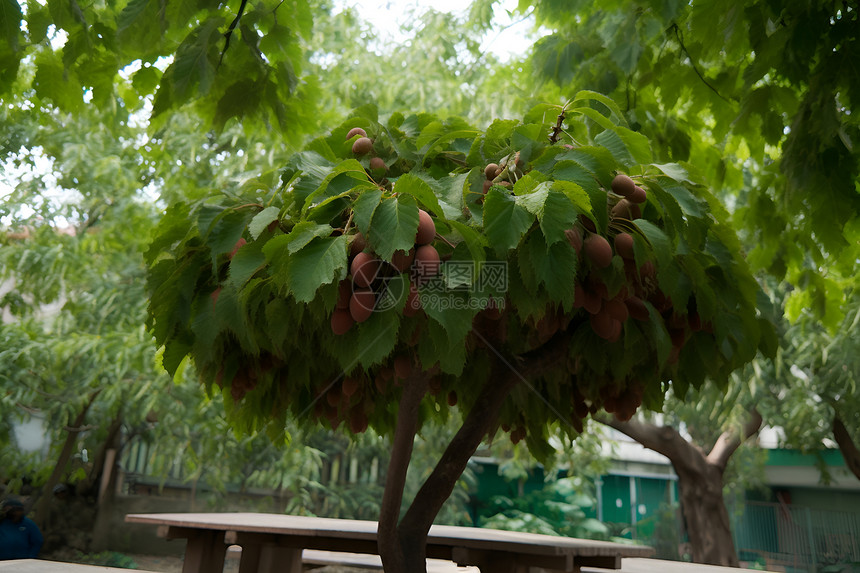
(364, 145)
(355, 397)
(358, 294)
(504, 173)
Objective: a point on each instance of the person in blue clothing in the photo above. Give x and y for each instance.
(20, 538)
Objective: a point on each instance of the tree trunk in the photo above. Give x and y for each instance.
(44, 503)
(846, 446)
(402, 544)
(704, 511)
(700, 481)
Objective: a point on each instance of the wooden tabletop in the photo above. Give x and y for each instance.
(440, 535)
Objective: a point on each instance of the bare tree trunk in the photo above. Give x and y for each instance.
(846, 446)
(700, 480)
(403, 543)
(44, 503)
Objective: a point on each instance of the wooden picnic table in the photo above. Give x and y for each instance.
(272, 542)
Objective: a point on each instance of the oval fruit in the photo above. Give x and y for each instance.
(579, 296)
(361, 304)
(638, 195)
(401, 260)
(344, 291)
(426, 228)
(362, 145)
(402, 367)
(491, 170)
(427, 261)
(341, 321)
(364, 269)
(574, 237)
(624, 245)
(356, 131)
(376, 163)
(637, 308)
(487, 185)
(452, 398)
(602, 324)
(587, 223)
(623, 185)
(597, 249)
(621, 210)
(593, 302)
(617, 309)
(350, 385)
(358, 244)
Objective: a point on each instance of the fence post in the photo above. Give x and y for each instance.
(813, 565)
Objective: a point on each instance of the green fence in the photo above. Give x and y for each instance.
(788, 538)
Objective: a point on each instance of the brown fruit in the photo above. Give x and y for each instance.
(574, 237)
(617, 309)
(602, 324)
(333, 397)
(587, 223)
(344, 291)
(593, 302)
(452, 398)
(597, 249)
(487, 185)
(402, 367)
(637, 308)
(623, 185)
(638, 196)
(426, 261)
(358, 422)
(621, 210)
(341, 321)
(402, 260)
(364, 269)
(624, 245)
(648, 270)
(426, 228)
(378, 163)
(362, 145)
(356, 131)
(491, 170)
(617, 329)
(350, 385)
(361, 304)
(357, 244)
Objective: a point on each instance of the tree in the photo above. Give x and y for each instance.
(759, 96)
(699, 433)
(252, 289)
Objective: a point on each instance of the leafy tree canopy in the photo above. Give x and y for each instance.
(758, 95)
(250, 287)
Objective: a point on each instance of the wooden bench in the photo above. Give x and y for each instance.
(42, 566)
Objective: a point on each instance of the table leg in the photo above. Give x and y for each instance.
(274, 559)
(204, 552)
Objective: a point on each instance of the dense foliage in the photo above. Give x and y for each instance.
(246, 286)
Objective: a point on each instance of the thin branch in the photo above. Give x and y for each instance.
(847, 446)
(229, 33)
(729, 441)
(693, 64)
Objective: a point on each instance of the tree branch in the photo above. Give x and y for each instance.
(505, 375)
(229, 33)
(729, 441)
(846, 446)
(662, 439)
(693, 64)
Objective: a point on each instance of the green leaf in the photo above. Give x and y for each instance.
(409, 183)
(246, 262)
(53, 82)
(475, 241)
(393, 226)
(262, 220)
(303, 233)
(505, 221)
(10, 22)
(363, 208)
(659, 242)
(350, 167)
(554, 211)
(320, 262)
